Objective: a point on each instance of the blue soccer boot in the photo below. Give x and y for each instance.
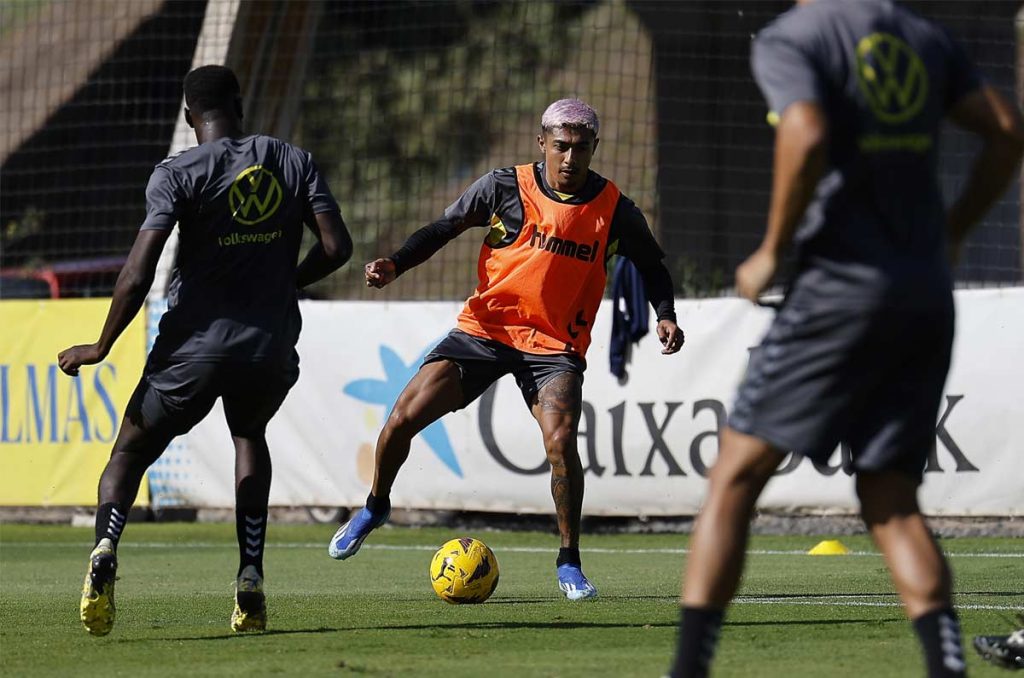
(346, 541)
(574, 584)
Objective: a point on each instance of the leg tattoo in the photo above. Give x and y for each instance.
(558, 411)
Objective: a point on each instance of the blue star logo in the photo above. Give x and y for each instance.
(385, 392)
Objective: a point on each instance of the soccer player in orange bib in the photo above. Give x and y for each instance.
(553, 225)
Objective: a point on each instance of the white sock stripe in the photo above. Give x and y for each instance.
(114, 529)
(254, 535)
(952, 649)
(954, 663)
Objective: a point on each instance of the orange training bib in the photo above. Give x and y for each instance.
(541, 293)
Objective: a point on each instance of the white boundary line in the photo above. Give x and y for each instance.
(838, 601)
(508, 549)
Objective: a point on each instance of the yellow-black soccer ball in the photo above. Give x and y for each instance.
(464, 570)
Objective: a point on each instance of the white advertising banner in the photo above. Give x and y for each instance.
(646, 444)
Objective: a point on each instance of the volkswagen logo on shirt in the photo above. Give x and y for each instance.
(255, 195)
(892, 78)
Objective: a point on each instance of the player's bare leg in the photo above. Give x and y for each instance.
(919, 570)
(435, 391)
(557, 410)
(134, 451)
(253, 472)
(718, 545)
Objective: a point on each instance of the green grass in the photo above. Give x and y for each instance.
(376, 615)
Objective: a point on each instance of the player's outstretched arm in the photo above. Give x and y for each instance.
(332, 249)
(800, 151)
(473, 208)
(998, 122)
(419, 247)
(130, 292)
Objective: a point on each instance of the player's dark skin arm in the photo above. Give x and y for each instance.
(801, 143)
(130, 292)
(332, 249)
(998, 122)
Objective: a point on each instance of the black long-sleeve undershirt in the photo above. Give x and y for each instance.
(424, 243)
(659, 290)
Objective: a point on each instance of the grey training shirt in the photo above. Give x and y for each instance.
(885, 78)
(240, 205)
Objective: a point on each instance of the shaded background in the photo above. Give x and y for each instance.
(405, 103)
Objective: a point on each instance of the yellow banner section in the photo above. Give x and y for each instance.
(56, 431)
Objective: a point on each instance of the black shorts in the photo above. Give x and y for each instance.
(872, 378)
(481, 362)
(173, 396)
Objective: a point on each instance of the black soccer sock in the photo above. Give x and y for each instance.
(378, 506)
(251, 529)
(110, 521)
(568, 556)
(698, 637)
(939, 632)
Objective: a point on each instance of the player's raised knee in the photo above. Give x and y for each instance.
(560, 441)
(401, 423)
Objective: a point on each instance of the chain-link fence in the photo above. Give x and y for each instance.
(89, 91)
(405, 103)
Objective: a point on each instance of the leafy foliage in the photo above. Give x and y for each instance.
(409, 95)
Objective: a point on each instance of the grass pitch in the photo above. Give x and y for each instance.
(376, 614)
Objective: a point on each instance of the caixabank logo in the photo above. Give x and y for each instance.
(610, 432)
(607, 454)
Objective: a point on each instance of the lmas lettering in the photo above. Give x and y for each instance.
(700, 450)
(38, 404)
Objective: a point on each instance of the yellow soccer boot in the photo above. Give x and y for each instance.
(97, 606)
(250, 604)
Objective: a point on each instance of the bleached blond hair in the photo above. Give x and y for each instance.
(569, 113)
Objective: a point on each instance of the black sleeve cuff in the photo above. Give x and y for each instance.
(659, 289)
(399, 261)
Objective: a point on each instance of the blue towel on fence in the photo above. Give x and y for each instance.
(630, 314)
